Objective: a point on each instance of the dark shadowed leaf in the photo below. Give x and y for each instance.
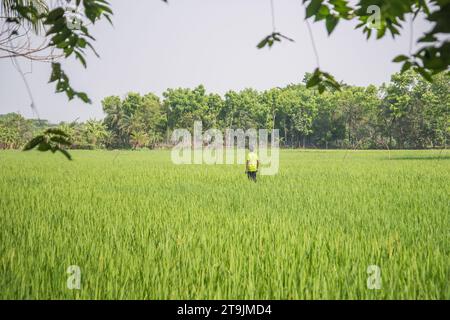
(313, 8)
(400, 58)
(57, 132)
(65, 153)
(33, 143)
(331, 23)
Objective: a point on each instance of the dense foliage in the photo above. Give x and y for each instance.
(409, 112)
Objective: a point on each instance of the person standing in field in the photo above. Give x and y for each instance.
(252, 164)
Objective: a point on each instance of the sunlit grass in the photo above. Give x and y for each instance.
(140, 227)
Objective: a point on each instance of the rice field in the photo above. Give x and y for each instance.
(140, 227)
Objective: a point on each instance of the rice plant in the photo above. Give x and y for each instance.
(140, 227)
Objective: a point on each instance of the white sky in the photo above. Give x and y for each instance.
(154, 46)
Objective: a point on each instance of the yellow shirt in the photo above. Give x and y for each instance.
(252, 159)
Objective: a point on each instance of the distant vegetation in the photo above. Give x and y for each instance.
(409, 112)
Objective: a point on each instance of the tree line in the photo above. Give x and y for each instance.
(408, 112)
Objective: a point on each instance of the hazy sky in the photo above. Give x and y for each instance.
(153, 46)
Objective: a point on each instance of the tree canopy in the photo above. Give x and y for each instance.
(408, 112)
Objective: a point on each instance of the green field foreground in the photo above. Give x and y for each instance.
(140, 227)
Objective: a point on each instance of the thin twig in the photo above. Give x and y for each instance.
(411, 34)
(273, 15)
(313, 43)
(27, 86)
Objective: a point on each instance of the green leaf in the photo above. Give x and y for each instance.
(406, 66)
(313, 81)
(54, 15)
(61, 140)
(331, 23)
(44, 146)
(57, 26)
(263, 42)
(270, 39)
(428, 38)
(61, 37)
(81, 58)
(424, 74)
(321, 88)
(381, 31)
(400, 58)
(324, 11)
(65, 153)
(313, 8)
(56, 72)
(56, 131)
(84, 97)
(369, 32)
(33, 143)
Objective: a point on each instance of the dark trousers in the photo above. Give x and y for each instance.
(251, 175)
